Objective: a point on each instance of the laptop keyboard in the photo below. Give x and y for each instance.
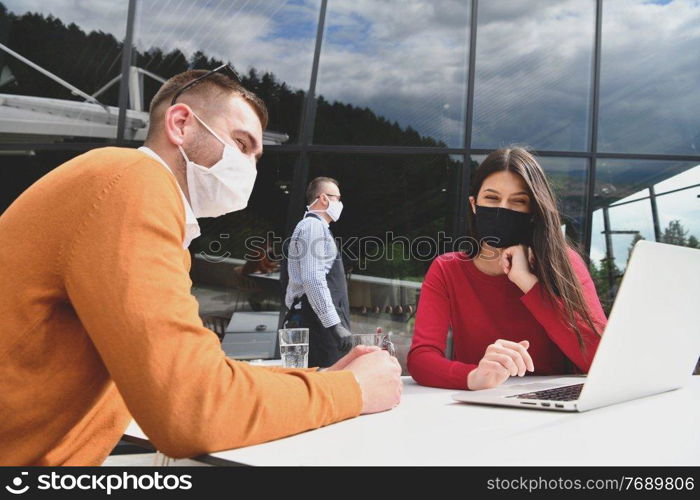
(566, 393)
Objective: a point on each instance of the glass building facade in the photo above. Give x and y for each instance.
(399, 101)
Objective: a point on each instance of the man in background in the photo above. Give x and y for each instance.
(316, 289)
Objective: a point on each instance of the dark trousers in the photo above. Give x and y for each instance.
(323, 346)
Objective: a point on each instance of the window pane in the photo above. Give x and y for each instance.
(612, 242)
(627, 224)
(619, 181)
(392, 227)
(270, 44)
(74, 51)
(230, 261)
(567, 177)
(623, 191)
(689, 176)
(533, 74)
(393, 73)
(679, 211)
(649, 77)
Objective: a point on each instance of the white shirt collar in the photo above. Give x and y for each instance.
(319, 216)
(191, 225)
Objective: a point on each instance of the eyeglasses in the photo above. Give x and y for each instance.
(224, 69)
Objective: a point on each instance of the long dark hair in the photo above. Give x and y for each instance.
(552, 266)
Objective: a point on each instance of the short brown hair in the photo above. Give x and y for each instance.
(312, 190)
(211, 87)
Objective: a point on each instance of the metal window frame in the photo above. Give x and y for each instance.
(306, 130)
(593, 131)
(127, 55)
(305, 145)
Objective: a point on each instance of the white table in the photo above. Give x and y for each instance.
(428, 428)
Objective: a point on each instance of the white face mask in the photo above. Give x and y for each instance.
(335, 207)
(225, 186)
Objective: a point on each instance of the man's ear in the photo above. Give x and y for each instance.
(472, 202)
(324, 200)
(175, 122)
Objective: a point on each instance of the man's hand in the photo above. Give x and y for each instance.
(356, 352)
(503, 359)
(379, 376)
(344, 337)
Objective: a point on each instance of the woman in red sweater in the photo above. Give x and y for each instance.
(520, 300)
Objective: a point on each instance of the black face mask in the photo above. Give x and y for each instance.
(503, 227)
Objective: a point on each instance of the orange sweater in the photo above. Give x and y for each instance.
(97, 324)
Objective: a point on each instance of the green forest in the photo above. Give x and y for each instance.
(409, 195)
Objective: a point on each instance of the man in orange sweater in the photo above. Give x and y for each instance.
(97, 322)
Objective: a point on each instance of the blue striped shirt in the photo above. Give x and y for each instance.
(312, 251)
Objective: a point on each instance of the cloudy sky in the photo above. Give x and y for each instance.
(404, 59)
(533, 73)
(270, 35)
(407, 61)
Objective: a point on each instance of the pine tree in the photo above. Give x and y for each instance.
(606, 288)
(675, 234)
(637, 237)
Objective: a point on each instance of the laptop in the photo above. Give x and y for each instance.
(650, 345)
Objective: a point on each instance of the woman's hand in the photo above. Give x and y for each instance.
(503, 359)
(517, 262)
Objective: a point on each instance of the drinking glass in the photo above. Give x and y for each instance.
(294, 347)
(379, 339)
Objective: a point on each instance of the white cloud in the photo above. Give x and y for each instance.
(249, 33)
(649, 77)
(96, 15)
(533, 74)
(275, 36)
(406, 60)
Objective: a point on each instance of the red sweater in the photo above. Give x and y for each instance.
(481, 309)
